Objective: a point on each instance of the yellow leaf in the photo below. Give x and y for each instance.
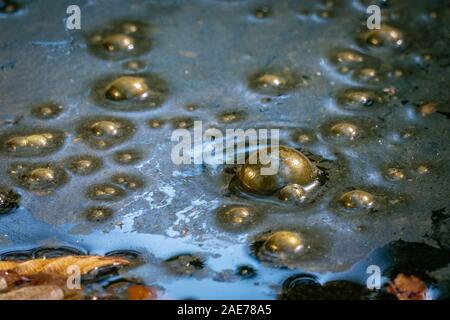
(59, 265)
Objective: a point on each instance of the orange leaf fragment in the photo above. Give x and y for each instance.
(139, 292)
(406, 287)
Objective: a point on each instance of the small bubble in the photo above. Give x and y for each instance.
(83, 165)
(367, 74)
(105, 132)
(47, 111)
(128, 157)
(120, 41)
(263, 12)
(358, 98)
(36, 143)
(344, 130)
(236, 217)
(155, 123)
(292, 193)
(422, 169)
(346, 57)
(40, 178)
(130, 92)
(185, 264)
(134, 65)
(288, 247)
(246, 272)
(183, 122)
(395, 174)
(232, 116)
(98, 214)
(9, 7)
(357, 199)
(9, 200)
(273, 82)
(127, 181)
(386, 36)
(105, 192)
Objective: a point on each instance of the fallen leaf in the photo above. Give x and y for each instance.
(139, 292)
(43, 292)
(406, 287)
(60, 265)
(7, 279)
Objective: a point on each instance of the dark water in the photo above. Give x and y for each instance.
(86, 118)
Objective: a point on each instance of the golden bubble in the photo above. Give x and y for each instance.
(128, 157)
(105, 192)
(98, 214)
(42, 174)
(273, 82)
(345, 130)
(357, 199)
(293, 193)
(294, 168)
(183, 122)
(284, 243)
(262, 12)
(116, 42)
(105, 128)
(130, 92)
(127, 88)
(127, 181)
(155, 123)
(47, 111)
(134, 65)
(236, 217)
(232, 116)
(357, 98)
(120, 41)
(41, 178)
(422, 169)
(395, 174)
(289, 247)
(347, 56)
(83, 164)
(37, 143)
(105, 132)
(386, 36)
(367, 74)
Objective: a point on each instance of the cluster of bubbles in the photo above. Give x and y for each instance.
(124, 40)
(298, 181)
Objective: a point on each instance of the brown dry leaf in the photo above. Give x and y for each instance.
(42, 292)
(406, 287)
(59, 265)
(7, 279)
